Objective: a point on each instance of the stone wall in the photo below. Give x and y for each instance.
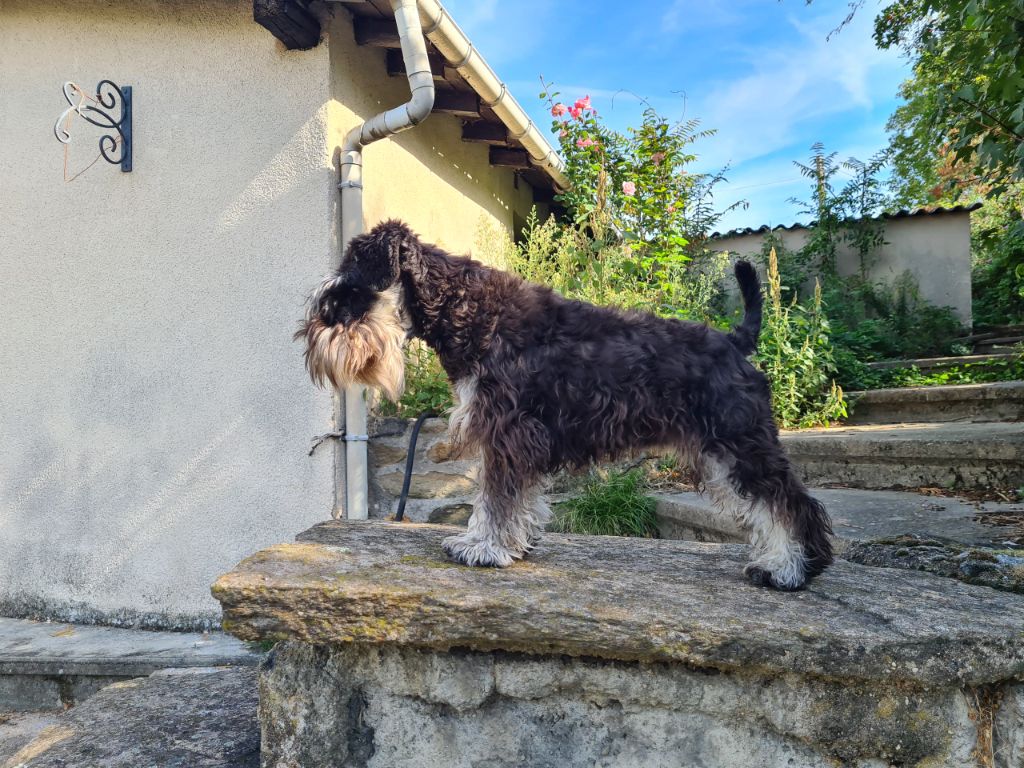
(443, 485)
(390, 655)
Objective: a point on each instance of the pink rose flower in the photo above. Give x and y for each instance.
(563, 133)
(657, 157)
(575, 112)
(584, 143)
(628, 188)
(559, 109)
(583, 103)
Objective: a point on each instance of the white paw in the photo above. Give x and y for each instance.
(468, 550)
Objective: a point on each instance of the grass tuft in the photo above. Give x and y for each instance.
(610, 506)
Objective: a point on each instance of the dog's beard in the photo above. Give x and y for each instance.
(366, 351)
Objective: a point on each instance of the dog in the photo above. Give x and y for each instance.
(543, 382)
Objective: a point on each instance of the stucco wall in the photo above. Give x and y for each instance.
(155, 414)
(935, 249)
(442, 186)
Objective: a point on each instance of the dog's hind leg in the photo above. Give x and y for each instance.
(788, 528)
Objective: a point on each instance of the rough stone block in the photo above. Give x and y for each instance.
(599, 651)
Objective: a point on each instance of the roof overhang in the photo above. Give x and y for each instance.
(296, 24)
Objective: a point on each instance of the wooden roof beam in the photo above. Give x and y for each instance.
(460, 103)
(485, 132)
(509, 158)
(290, 21)
(396, 64)
(377, 33)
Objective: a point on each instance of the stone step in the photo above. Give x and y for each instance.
(1000, 401)
(46, 666)
(859, 516)
(930, 364)
(200, 717)
(962, 456)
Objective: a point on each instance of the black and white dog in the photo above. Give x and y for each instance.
(544, 382)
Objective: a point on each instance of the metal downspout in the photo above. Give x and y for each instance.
(380, 126)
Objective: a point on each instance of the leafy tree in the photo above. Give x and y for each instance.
(965, 101)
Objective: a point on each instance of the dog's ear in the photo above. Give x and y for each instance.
(378, 256)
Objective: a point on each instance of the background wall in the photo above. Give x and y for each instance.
(155, 414)
(935, 249)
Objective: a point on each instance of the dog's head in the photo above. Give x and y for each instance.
(354, 328)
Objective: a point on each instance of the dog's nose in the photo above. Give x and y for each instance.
(333, 311)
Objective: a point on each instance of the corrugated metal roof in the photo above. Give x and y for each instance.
(903, 213)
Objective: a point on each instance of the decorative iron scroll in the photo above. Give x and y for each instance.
(100, 113)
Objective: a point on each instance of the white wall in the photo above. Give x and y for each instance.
(935, 249)
(154, 412)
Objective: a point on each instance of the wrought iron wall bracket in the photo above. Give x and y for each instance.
(100, 113)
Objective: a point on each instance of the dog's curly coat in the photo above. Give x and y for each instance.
(544, 382)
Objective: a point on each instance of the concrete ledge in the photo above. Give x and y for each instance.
(378, 584)
(53, 666)
(1000, 401)
(857, 516)
(952, 455)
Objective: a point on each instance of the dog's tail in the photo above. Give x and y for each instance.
(744, 335)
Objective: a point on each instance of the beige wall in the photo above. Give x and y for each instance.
(442, 186)
(935, 249)
(155, 414)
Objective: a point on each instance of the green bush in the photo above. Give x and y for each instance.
(615, 505)
(997, 249)
(969, 373)
(426, 385)
(609, 273)
(884, 322)
(796, 355)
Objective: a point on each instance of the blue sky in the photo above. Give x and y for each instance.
(761, 72)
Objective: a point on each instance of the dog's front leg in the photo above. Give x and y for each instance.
(506, 523)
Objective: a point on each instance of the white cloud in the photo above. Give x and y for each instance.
(788, 89)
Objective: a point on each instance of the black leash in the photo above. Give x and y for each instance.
(409, 459)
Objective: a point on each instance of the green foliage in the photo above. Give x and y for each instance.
(997, 245)
(969, 373)
(966, 95)
(610, 273)
(796, 355)
(635, 186)
(848, 215)
(426, 385)
(873, 322)
(611, 505)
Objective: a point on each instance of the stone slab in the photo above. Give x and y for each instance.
(947, 455)
(383, 583)
(50, 666)
(201, 717)
(998, 401)
(38, 647)
(859, 515)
